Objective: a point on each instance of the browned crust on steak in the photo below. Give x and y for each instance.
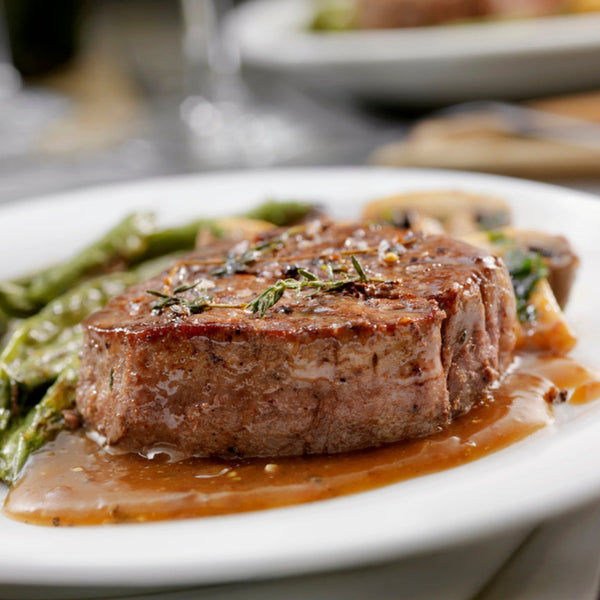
(373, 363)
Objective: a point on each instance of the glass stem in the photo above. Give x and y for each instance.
(10, 80)
(211, 63)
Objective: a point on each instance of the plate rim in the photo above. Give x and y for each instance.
(305, 49)
(346, 556)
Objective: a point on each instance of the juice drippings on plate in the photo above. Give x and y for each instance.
(587, 392)
(72, 481)
(565, 373)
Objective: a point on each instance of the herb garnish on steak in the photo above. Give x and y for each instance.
(266, 299)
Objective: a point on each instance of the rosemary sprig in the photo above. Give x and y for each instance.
(362, 277)
(200, 303)
(270, 296)
(332, 268)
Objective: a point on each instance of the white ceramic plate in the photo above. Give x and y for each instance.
(556, 469)
(425, 65)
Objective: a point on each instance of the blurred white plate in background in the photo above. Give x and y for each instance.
(425, 65)
(556, 469)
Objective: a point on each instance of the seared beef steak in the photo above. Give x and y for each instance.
(395, 353)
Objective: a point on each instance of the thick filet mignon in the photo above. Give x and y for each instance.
(395, 353)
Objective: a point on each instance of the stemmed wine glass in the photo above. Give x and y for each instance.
(229, 126)
(23, 111)
(9, 77)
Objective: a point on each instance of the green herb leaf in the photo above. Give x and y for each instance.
(526, 268)
(199, 303)
(308, 275)
(358, 267)
(269, 297)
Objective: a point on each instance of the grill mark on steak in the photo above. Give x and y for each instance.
(303, 379)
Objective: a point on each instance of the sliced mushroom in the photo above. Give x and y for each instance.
(559, 257)
(458, 212)
(417, 221)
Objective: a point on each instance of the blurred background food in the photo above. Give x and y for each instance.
(544, 139)
(332, 15)
(96, 91)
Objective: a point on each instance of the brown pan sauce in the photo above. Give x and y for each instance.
(72, 481)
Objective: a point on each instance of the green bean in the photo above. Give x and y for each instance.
(175, 239)
(40, 424)
(4, 325)
(122, 245)
(42, 345)
(15, 300)
(7, 393)
(281, 213)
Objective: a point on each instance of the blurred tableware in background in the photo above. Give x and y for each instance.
(422, 66)
(154, 88)
(28, 45)
(100, 103)
(9, 76)
(43, 35)
(79, 116)
(555, 138)
(230, 126)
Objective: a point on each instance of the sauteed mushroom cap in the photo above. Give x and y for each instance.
(458, 212)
